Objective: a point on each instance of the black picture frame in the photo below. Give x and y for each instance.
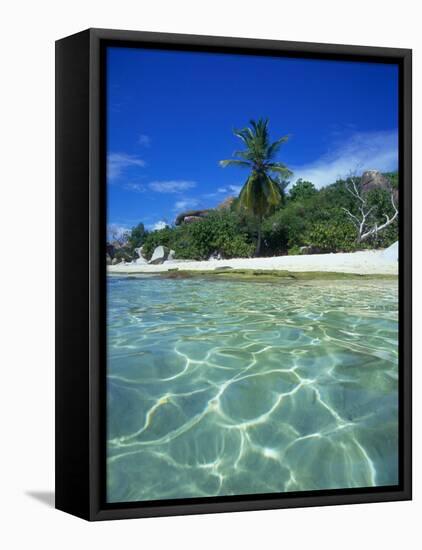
(81, 271)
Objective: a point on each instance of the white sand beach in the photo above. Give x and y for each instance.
(367, 262)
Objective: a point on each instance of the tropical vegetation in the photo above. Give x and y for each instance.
(264, 188)
(307, 220)
(273, 216)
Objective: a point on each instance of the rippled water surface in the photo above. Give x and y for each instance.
(228, 388)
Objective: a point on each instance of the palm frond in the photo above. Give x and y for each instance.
(245, 154)
(272, 191)
(259, 194)
(261, 191)
(274, 148)
(249, 197)
(245, 134)
(282, 185)
(278, 168)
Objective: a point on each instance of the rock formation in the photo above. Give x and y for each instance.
(373, 179)
(159, 255)
(191, 216)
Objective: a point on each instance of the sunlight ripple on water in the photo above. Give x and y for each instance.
(228, 388)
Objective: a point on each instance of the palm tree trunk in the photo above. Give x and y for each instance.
(258, 242)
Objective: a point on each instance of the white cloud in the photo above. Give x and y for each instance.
(235, 188)
(362, 151)
(144, 140)
(135, 187)
(171, 186)
(158, 225)
(231, 189)
(118, 162)
(183, 204)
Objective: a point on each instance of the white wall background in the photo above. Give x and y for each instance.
(27, 36)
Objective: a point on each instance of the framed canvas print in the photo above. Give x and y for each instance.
(233, 274)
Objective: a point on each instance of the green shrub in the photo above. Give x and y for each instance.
(164, 237)
(220, 232)
(137, 236)
(309, 216)
(294, 251)
(334, 236)
(394, 179)
(123, 254)
(380, 200)
(223, 232)
(234, 247)
(317, 217)
(192, 241)
(301, 190)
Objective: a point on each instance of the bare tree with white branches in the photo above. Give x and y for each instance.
(365, 227)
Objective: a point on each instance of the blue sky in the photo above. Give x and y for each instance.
(170, 118)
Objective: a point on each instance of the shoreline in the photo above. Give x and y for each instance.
(367, 262)
(259, 276)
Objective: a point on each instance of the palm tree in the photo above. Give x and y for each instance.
(264, 188)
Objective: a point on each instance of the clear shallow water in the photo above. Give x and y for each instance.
(228, 388)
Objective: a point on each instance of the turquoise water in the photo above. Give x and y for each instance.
(229, 388)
